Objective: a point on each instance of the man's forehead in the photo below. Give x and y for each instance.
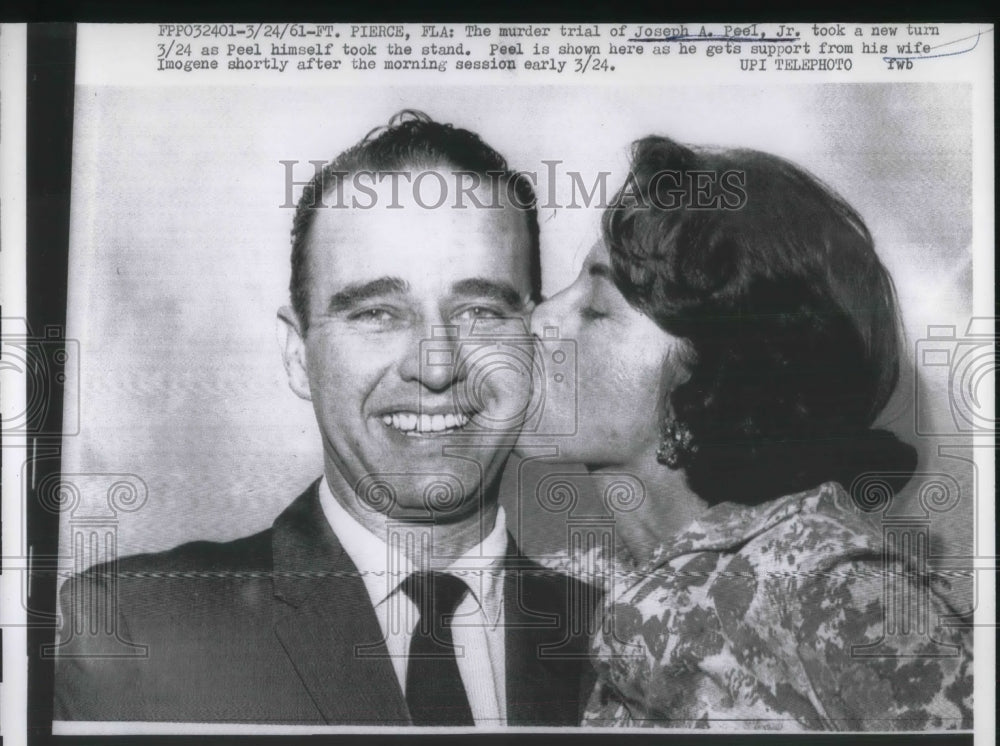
(426, 247)
(428, 187)
(376, 211)
(400, 232)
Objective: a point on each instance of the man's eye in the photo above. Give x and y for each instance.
(474, 313)
(373, 316)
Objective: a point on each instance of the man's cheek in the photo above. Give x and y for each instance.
(344, 360)
(336, 385)
(507, 394)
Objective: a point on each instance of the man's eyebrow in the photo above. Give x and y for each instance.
(482, 288)
(600, 269)
(357, 293)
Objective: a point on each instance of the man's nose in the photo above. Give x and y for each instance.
(433, 358)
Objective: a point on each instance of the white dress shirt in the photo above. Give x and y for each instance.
(478, 624)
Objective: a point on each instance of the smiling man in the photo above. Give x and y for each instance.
(390, 591)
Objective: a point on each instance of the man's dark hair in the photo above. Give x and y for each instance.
(410, 139)
(788, 314)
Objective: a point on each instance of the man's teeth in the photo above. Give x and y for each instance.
(409, 422)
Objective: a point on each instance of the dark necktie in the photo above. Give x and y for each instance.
(434, 690)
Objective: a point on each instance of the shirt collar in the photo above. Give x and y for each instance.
(383, 566)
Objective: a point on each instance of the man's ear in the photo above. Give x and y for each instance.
(293, 352)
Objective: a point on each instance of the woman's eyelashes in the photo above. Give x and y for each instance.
(591, 313)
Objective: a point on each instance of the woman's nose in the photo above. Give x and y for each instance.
(540, 319)
(548, 318)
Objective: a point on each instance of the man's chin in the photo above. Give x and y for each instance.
(467, 508)
(421, 491)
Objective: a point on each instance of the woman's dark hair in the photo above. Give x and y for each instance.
(790, 318)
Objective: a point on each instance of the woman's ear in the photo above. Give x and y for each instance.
(676, 371)
(293, 352)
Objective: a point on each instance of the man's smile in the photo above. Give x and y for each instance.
(417, 425)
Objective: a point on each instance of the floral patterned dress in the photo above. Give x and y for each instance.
(783, 616)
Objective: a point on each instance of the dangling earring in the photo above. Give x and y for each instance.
(676, 443)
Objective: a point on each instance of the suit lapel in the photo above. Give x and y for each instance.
(547, 618)
(330, 631)
(331, 635)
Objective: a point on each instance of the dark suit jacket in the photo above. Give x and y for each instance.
(278, 628)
